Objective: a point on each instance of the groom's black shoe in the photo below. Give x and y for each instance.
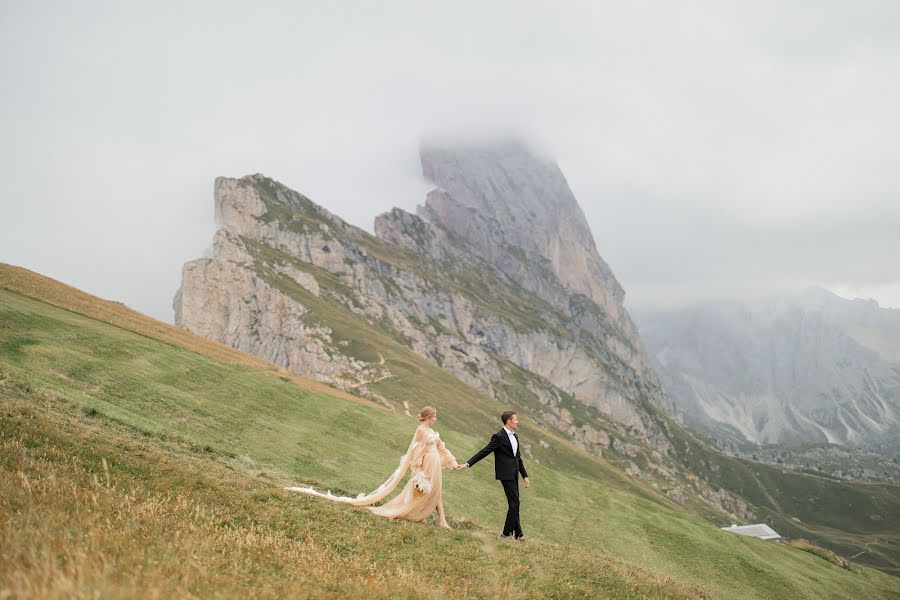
(521, 538)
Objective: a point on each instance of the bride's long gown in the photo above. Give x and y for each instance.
(426, 453)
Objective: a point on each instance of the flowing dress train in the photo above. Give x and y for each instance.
(426, 454)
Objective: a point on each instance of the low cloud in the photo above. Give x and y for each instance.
(714, 146)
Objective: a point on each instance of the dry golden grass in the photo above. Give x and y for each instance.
(828, 555)
(89, 509)
(37, 286)
(80, 535)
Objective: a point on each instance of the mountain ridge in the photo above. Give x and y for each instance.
(812, 368)
(453, 326)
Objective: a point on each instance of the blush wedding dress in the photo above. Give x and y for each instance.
(426, 457)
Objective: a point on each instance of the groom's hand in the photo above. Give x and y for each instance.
(527, 482)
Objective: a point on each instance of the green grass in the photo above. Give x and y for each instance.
(204, 447)
(849, 517)
(92, 510)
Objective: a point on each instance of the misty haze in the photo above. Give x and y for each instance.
(641, 257)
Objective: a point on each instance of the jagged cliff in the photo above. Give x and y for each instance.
(497, 281)
(518, 212)
(522, 309)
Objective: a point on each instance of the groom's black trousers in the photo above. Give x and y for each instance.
(512, 526)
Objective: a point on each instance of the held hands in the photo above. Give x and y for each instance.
(460, 467)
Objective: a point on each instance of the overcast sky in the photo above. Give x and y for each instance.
(716, 147)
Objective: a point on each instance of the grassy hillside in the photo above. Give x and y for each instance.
(89, 508)
(852, 518)
(132, 464)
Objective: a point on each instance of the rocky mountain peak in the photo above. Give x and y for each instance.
(517, 210)
(502, 210)
(520, 308)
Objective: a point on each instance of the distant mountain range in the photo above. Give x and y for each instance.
(809, 367)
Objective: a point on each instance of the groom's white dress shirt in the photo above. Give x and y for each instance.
(512, 440)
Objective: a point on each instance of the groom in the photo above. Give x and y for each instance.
(507, 465)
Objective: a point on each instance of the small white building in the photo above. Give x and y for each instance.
(760, 530)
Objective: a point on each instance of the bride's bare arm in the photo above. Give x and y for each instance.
(447, 459)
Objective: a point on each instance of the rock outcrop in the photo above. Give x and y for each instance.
(512, 281)
(518, 212)
(526, 312)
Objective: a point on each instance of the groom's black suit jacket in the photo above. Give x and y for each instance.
(507, 465)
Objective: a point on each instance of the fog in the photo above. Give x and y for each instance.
(717, 148)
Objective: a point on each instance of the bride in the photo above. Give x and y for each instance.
(426, 456)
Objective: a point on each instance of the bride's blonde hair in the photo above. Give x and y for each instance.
(426, 413)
